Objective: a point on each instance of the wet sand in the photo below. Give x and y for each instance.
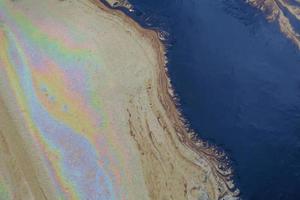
(87, 110)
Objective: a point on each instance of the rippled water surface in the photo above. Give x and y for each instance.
(238, 79)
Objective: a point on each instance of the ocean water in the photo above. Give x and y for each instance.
(238, 80)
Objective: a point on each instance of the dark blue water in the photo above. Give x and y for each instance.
(238, 80)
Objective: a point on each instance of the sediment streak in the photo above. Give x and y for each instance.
(281, 11)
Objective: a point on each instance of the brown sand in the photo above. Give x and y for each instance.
(174, 164)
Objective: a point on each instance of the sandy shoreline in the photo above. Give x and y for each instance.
(146, 150)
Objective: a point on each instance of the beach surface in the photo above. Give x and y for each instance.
(87, 112)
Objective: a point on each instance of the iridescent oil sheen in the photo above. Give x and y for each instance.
(51, 69)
